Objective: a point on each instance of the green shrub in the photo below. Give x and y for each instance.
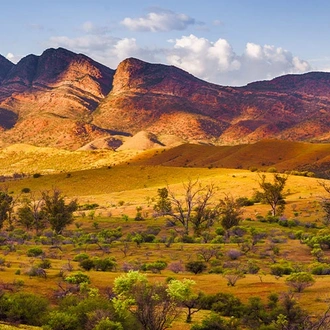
(220, 231)
(244, 201)
(107, 324)
(34, 252)
(26, 308)
(281, 269)
(80, 257)
(188, 239)
(106, 264)
(92, 206)
(156, 267)
(44, 264)
(218, 239)
(320, 269)
(216, 322)
(62, 321)
(77, 278)
(86, 264)
(196, 267)
(216, 270)
(272, 170)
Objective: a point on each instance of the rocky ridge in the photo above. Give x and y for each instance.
(67, 100)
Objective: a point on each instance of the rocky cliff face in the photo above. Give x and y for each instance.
(53, 97)
(67, 100)
(5, 67)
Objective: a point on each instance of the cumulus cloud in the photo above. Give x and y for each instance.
(13, 58)
(214, 61)
(217, 62)
(159, 20)
(105, 49)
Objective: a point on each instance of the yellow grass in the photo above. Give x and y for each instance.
(136, 184)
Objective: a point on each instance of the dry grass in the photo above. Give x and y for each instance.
(4, 326)
(284, 155)
(136, 185)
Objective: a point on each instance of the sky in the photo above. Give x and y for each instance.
(227, 42)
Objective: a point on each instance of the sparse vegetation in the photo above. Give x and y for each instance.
(256, 255)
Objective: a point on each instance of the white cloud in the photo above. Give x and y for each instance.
(159, 20)
(13, 58)
(217, 62)
(214, 61)
(253, 50)
(10, 56)
(87, 43)
(105, 49)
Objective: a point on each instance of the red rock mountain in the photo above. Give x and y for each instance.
(48, 100)
(68, 100)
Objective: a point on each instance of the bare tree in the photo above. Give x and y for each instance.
(193, 208)
(30, 213)
(206, 253)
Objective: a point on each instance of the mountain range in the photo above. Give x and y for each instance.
(67, 100)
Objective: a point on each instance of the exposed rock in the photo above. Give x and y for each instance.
(5, 67)
(53, 97)
(67, 100)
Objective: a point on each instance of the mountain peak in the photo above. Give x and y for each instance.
(65, 99)
(133, 73)
(5, 67)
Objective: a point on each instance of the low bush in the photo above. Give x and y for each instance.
(34, 252)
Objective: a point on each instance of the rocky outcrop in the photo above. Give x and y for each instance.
(53, 97)
(67, 100)
(5, 67)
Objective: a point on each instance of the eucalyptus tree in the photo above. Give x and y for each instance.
(272, 193)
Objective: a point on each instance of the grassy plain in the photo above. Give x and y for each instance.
(120, 189)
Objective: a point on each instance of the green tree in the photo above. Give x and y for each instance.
(163, 205)
(150, 303)
(27, 308)
(62, 321)
(182, 292)
(6, 206)
(107, 324)
(300, 281)
(31, 215)
(216, 322)
(230, 212)
(272, 193)
(56, 211)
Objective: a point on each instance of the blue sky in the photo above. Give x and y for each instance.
(229, 42)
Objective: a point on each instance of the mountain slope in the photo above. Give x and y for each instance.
(53, 96)
(167, 100)
(67, 100)
(283, 155)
